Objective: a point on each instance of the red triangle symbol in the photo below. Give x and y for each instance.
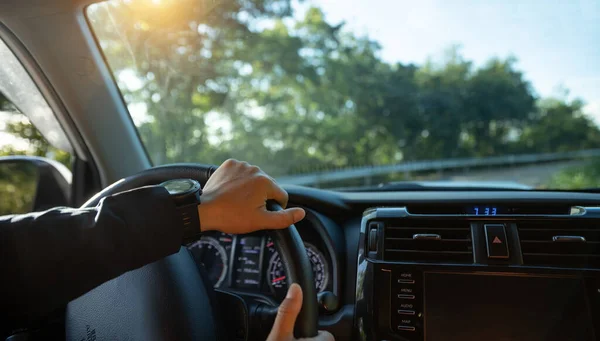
(496, 241)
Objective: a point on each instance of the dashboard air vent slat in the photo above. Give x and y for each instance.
(569, 243)
(412, 240)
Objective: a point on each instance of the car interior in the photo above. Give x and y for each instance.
(409, 261)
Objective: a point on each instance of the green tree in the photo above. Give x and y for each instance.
(499, 102)
(247, 79)
(560, 126)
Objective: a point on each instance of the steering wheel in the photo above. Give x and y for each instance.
(170, 299)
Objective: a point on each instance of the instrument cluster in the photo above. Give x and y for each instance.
(251, 262)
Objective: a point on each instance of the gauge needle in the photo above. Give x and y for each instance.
(278, 279)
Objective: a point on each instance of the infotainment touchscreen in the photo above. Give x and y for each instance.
(495, 307)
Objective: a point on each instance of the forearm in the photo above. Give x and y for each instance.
(50, 258)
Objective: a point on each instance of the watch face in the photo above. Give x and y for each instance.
(179, 186)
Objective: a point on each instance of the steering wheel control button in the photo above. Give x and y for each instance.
(406, 312)
(406, 328)
(497, 245)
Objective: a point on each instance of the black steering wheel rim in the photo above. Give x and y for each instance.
(287, 241)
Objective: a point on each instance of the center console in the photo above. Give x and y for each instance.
(513, 273)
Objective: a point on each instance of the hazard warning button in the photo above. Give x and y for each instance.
(497, 246)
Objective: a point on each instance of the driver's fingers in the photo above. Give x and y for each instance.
(275, 192)
(273, 220)
(283, 328)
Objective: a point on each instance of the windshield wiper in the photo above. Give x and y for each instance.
(439, 185)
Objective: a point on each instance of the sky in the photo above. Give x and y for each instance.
(557, 42)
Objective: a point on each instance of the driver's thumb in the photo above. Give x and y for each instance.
(283, 328)
(282, 219)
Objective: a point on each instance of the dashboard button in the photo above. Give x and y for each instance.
(406, 312)
(406, 281)
(406, 297)
(496, 241)
(406, 328)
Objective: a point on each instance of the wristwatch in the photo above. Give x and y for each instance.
(186, 195)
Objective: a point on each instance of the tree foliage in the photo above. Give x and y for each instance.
(17, 188)
(251, 81)
(209, 80)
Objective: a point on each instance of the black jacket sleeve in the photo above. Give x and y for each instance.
(49, 258)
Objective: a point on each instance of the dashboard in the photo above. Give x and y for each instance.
(249, 263)
(432, 265)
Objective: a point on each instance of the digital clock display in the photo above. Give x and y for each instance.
(485, 210)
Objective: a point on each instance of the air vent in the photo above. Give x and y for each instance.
(573, 243)
(428, 240)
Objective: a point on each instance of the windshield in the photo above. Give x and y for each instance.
(340, 93)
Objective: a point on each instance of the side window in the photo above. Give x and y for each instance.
(23, 147)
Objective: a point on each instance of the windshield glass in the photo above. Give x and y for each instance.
(340, 93)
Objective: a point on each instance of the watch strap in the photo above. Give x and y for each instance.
(191, 222)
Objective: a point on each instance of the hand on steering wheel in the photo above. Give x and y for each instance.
(237, 198)
(283, 328)
(234, 201)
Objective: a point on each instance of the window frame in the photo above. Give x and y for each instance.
(84, 171)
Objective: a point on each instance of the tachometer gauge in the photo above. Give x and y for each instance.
(213, 256)
(276, 277)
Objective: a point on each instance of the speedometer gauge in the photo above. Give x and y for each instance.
(213, 256)
(276, 277)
